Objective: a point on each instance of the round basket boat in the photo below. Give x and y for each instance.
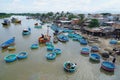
(51, 56)
(34, 46)
(10, 58)
(69, 67)
(85, 50)
(22, 55)
(95, 57)
(108, 66)
(57, 51)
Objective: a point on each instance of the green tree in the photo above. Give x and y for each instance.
(93, 23)
(71, 16)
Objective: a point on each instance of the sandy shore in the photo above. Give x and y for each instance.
(103, 45)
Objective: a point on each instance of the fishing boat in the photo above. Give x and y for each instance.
(36, 24)
(57, 51)
(10, 58)
(44, 39)
(62, 38)
(85, 50)
(69, 67)
(10, 48)
(108, 66)
(95, 57)
(94, 48)
(51, 56)
(83, 41)
(8, 42)
(50, 47)
(113, 41)
(34, 46)
(6, 22)
(26, 31)
(48, 43)
(15, 20)
(22, 55)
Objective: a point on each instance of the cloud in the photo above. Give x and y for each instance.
(59, 5)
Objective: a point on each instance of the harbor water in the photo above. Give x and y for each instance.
(36, 66)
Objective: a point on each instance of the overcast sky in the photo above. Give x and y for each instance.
(79, 6)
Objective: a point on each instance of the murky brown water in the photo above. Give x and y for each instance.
(36, 67)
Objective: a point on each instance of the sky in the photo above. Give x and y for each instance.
(77, 6)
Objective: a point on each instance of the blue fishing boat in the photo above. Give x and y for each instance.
(51, 56)
(57, 51)
(69, 67)
(8, 43)
(48, 43)
(85, 50)
(22, 55)
(50, 47)
(94, 48)
(83, 41)
(62, 38)
(26, 31)
(108, 66)
(34, 46)
(95, 57)
(10, 58)
(113, 41)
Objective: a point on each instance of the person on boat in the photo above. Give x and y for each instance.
(115, 49)
(42, 35)
(68, 65)
(114, 59)
(73, 65)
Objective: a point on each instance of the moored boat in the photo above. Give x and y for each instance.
(69, 66)
(57, 51)
(11, 48)
(15, 20)
(22, 55)
(94, 48)
(6, 22)
(44, 39)
(50, 47)
(26, 31)
(8, 42)
(62, 38)
(113, 41)
(83, 41)
(10, 58)
(85, 50)
(34, 46)
(51, 56)
(108, 66)
(95, 57)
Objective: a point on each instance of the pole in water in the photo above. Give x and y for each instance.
(47, 30)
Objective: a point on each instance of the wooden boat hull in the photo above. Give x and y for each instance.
(44, 40)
